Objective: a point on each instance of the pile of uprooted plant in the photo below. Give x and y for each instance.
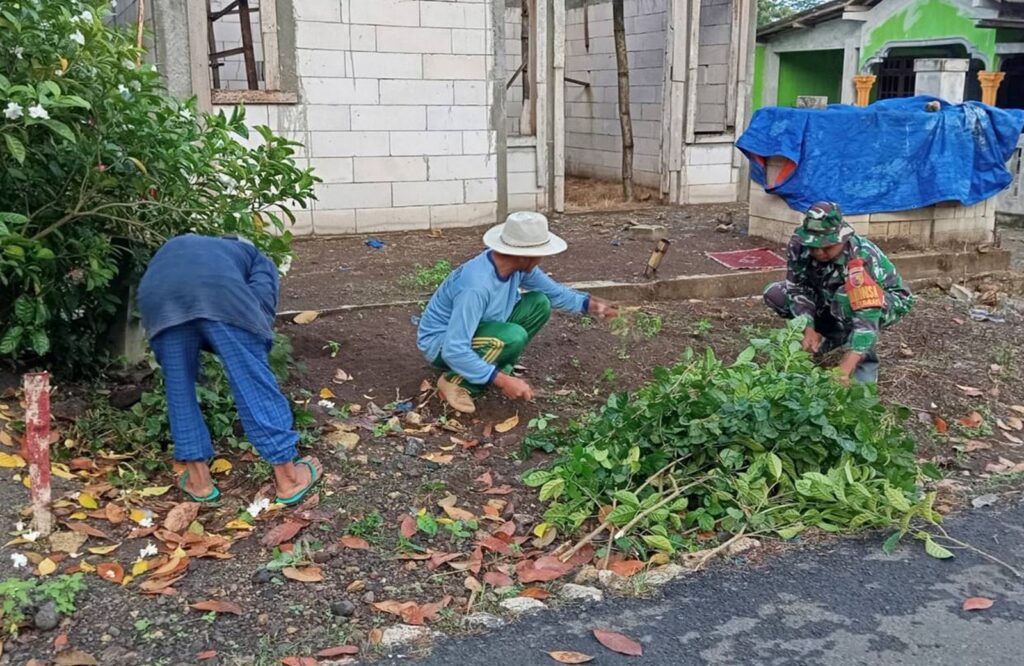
(769, 445)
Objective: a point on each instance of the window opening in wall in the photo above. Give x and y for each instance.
(1011, 91)
(521, 87)
(714, 61)
(896, 78)
(236, 59)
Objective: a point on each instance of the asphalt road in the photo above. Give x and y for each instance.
(845, 605)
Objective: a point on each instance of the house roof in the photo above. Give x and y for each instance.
(815, 15)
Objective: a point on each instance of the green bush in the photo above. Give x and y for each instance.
(99, 166)
(18, 597)
(769, 444)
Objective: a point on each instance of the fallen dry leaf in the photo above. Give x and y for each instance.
(67, 542)
(327, 394)
(507, 424)
(338, 651)
(299, 661)
(87, 529)
(627, 568)
(304, 575)
(1015, 423)
(970, 391)
(88, 501)
(376, 635)
(346, 440)
(454, 512)
(204, 656)
(408, 527)
(976, 445)
(1013, 439)
(220, 466)
(972, 420)
(110, 571)
(940, 425)
(542, 570)
(307, 317)
(61, 642)
(181, 516)
(617, 642)
(75, 658)
(154, 491)
(977, 603)
(355, 543)
(472, 584)
(538, 593)
(411, 612)
(565, 657)
(47, 567)
(498, 579)
(438, 458)
(340, 376)
(11, 461)
(115, 514)
(286, 531)
(218, 606)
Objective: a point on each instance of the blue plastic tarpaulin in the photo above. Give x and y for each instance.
(890, 156)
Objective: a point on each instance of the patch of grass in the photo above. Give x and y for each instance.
(701, 328)
(428, 277)
(609, 376)
(334, 347)
(259, 472)
(1005, 481)
(369, 527)
(19, 597)
(586, 322)
(632, 326)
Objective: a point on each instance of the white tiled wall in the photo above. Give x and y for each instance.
(394, 112)
(593, 137)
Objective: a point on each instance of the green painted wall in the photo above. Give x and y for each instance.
(929, 19)
(757, 88)
(810, 73)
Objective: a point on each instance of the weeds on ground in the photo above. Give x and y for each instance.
(19, 597)
(428, 277)
(701, 328)
(334, 347)
(770, 444)
(369, 527)
(631, 326)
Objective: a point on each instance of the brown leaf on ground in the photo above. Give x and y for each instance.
(75, 658)
(181, 516)
(565, 657)
(408, 527)
(67, 542)
(111, 572)
(542, 570)
(204, 656)
(538, 593)
(972, 420)
(306, 317)
(1013, 439)
(627, 568)
(304, 575)
(499, 490)
(1015, 423)
(583, 556)
(976, 445)
(496, 545)
(498, 579)
(970, 391)
(355, 543)
(617, 642)
(160, 585)
(438, 458)
(82, 528)
(339, 651)
(507, 424)
(376, 635)
(286, 531)
(454, 512)
(115, 513)
(1018, 408)
(60, 643)
(472, 584)
(410, 611)
(299, 661)
(218, 606)
(940, 425)
(485, 480)
(977, 603)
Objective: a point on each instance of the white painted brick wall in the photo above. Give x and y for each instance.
(593, 135)
(395, 113)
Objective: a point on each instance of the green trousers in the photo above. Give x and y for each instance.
(501, 343)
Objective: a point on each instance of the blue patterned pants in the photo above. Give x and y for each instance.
(263, 409)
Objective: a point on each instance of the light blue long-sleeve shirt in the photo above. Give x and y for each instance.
(475, 293)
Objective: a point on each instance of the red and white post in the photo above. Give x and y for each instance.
(37, 448)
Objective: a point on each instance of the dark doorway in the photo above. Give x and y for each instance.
(1011, 90)
(896, 77)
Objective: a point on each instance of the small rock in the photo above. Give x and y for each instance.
(984, 500)
(394, 495)
(262, 576)
(573, 592)
(647, 231)
(114, 631)
(743, 545)
(523, 606)
(401, 635)
(263, 619)
(587, 574)
(369, 597)
(343, 608)
(664, 574)
(46, 617)
(321, 557)
(483, 621)
(413, 446)
(291, 631)
(961, 293)
(614, 581)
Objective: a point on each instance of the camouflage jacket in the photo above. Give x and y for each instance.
(813, 288)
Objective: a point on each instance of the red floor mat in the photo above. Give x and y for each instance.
(759, 259)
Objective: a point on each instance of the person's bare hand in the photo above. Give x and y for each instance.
(812, 341)
(513, 387)
(602, 309)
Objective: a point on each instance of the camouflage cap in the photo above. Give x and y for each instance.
(823, 226)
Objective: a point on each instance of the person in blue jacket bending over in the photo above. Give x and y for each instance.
(477, 324)
(201, 293)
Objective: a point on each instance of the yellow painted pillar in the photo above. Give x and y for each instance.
(990, 86)
(863, 83)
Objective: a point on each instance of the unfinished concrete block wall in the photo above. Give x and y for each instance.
(593, 142)
(394, 111)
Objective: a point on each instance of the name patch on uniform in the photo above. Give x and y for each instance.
(863, 291)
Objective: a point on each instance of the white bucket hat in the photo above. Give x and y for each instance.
(524, 234)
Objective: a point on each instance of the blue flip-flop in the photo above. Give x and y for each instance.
(212, 497)
(314, 477)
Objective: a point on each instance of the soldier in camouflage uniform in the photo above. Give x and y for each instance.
(843, 287)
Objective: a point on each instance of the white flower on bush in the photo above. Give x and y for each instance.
(19, 561)
(285, 266)
(78, 37)
(13, 111)
(86, 15)
(258, 507)
(113, 4)
(123, 89)
(147, 552)
(146, 522)
(18, 52)
(38, 112)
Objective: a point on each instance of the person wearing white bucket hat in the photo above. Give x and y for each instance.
(477, 324)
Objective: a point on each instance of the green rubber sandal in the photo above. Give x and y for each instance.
(314, 477)
(212, 497)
